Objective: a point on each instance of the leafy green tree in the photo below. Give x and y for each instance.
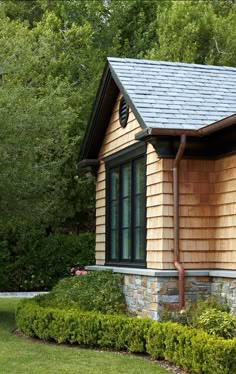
(41, 95)
(45, 70)
(25, 11)
(133, 26)
(225, 38)
(186, 32)
(196, 31)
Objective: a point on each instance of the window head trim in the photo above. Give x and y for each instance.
(129, 153)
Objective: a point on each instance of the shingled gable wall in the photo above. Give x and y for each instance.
(207, 224)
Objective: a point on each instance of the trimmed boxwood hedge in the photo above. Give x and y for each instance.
(189, 348)
(85, 328)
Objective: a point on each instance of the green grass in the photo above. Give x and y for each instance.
(19, 355)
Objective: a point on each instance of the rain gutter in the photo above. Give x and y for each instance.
(203, 131)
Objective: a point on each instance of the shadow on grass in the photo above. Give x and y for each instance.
(7, 320)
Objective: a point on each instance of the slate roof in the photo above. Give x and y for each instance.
(172, 95)
(167, 98)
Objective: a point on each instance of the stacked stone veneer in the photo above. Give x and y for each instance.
(147, 296)
(226, 288)
(148, 292)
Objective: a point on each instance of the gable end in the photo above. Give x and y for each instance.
(100, 116)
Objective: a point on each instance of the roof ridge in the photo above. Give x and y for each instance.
(170, 63)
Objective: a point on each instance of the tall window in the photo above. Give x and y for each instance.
(126, 202)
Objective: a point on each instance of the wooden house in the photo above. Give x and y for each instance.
(162, 141)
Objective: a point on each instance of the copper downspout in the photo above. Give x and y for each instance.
(177, 263)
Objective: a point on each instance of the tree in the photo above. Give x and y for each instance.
(225, 38)
(133, 26)
(43, 75)
(41, 94)
(196, 31)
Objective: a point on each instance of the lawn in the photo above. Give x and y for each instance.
(19, 355)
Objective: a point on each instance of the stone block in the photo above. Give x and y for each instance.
(153, 287)
(154, 315)
(170, 307)
(233, 284)
(154, 299)
(130, 279)
(172, 291)
(143, 281)
(153, 306)
(203, 279)
(170, 299)
(146, 313)
(166, 286)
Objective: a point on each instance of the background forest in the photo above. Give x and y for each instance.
(52, 54)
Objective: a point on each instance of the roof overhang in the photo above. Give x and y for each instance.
(200, 143)
(100, 116)
(211, 141)
(204, 131)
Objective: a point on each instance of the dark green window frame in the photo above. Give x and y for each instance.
(126, 207)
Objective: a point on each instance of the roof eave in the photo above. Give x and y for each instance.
(218, 125)
(204, 131)
(150, 132)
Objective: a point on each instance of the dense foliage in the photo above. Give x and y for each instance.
(99, 291)
(191, 349)
(212, 314)
(218, 323)
(39, 262)
(52, 54)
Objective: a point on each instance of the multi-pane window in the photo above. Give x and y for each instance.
(126, 202)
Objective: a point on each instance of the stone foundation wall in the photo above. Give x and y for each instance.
(141, 294)
(225, 287)
(147, 296)
(148, 291)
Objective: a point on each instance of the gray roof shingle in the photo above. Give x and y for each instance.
(176, 95)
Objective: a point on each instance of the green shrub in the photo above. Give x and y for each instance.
(192, 311)
(190, 348)
(124, 333)
(156, 340)
(219, 323)
(38, 262)
(212, 355)
(84, 328)
(99, 291)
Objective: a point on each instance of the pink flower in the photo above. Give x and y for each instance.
(81, 272)
(72, 270)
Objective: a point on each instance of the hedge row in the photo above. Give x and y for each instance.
(85, 328)
(191, 349)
